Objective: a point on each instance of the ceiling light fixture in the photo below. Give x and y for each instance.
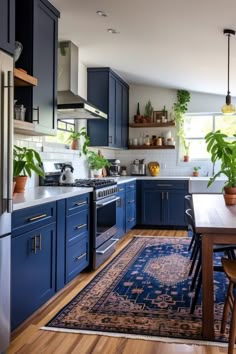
(102, 13)
(113, 31)
(228, 108)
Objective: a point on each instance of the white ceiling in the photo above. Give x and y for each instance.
(171, 43)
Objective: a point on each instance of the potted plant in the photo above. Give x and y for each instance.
(196, 171)
(74, 139)
(96, 163)
(138, 118)
(223, 150)
(180, 108)
(148, 111)
(25, 160)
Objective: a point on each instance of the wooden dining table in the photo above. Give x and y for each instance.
(216, 222)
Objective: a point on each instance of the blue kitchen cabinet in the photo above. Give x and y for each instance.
(110, 94)
(120, 212)
(77, 235)
(37, 30)
(130, 203)
(33, 261)
(7, 26)
(163, 203)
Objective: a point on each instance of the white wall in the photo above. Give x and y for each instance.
(170, 161)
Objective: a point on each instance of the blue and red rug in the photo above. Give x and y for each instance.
(144, 292)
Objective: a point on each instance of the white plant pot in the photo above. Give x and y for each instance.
(96, 173)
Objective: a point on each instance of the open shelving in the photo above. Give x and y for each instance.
(151, 125)
(151, 147)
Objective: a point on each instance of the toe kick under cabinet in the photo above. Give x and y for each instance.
(163, 203)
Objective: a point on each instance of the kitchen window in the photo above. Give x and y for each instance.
(197, 126)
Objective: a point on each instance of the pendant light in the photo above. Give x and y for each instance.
(228, 108)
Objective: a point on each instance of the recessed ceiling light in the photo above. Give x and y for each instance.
(102, 13)
(113, 31)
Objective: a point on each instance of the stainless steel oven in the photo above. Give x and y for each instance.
(104, 229)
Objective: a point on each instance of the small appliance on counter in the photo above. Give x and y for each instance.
(114, 168)
(138, 168)
(67, 176)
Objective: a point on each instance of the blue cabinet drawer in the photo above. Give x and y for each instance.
(31, 218)
(77, 225)
(165, 184)
(77, 258)
(130, 186)
(131, 198)
(77, 203)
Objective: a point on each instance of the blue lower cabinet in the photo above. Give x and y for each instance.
(130, 203)
(163, 203)
(77, 258)
(120, 212)
(33, 271)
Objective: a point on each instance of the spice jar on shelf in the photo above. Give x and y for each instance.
(147, 140)
(159, 141)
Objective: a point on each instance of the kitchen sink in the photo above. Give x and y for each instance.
(199, 185)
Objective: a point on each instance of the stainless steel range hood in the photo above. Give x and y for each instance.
(70, 104)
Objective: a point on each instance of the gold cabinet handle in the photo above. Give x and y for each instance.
(81, 203)
(80, 226)
(167, 195)
(80, 257)
(37, 217)
(162, 195)
(40, 242)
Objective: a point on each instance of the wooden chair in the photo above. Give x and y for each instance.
(229, 267)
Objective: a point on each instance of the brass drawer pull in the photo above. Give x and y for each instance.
(80, 257)
(37, 243)
(164, 185)
(37, 217)
(80, 226)
(81, 203)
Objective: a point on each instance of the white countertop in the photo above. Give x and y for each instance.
(39, 195)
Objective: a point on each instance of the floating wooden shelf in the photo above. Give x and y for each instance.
(23, 79)
(151, 125)
(27, 128)
(151, 147)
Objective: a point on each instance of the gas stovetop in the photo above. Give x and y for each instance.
(95, 183)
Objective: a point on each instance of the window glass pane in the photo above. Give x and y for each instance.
(198, 149)
(61, 137)
(198, 126)
(227, 124)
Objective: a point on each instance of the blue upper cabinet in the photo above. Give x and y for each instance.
(39, 36)
(109, 93)
(7, 26)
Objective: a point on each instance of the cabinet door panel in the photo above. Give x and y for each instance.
(112, 112)
(44, 64)
(152, 207)
(175, 210)
(120, 215)
(7, 26)
(33, 271)
(118, 121)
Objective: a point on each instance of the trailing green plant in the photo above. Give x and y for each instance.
(148, 110)
(77, 135)
(25, 161)
(180, 108)
(222, 150)
(96, 162)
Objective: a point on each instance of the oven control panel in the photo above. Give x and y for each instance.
(105, 192)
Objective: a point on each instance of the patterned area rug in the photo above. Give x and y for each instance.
(142, 293)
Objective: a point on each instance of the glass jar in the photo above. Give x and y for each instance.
(147, 140)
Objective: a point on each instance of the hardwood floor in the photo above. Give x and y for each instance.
(29, 339)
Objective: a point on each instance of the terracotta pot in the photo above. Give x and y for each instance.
(230, 190)
(13, 187)
(230, 199)
(186, 158)
(75, 144)
(195, 173)
(20, 183)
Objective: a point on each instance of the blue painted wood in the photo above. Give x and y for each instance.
(39, 37)
(60, 245)
(7, 26)
(33, 271)
(31, 218)
(120, 212)
(77, 258)
(162, 203)
(130, 205)
(109, 93)
(77, 203)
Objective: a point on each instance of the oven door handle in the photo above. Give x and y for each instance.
(106, 249)
(98, 205)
